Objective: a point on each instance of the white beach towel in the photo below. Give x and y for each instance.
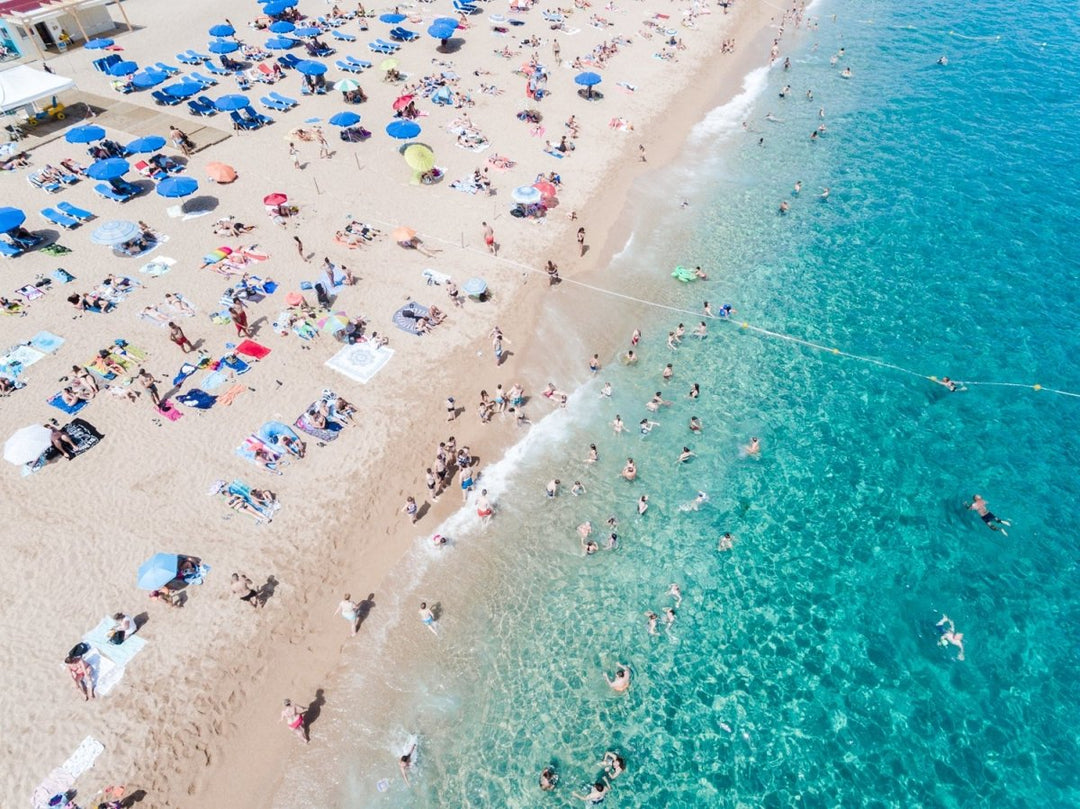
(106, 673)
(61, 779)
(158, 266)
(360, 361)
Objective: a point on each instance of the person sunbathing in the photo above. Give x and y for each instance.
(436, 315)
(342, 411)
(72, 396)
(154, 314)
(293, 445)
(422, 326)
(89, 303)
(73, 167)
(82, 378)
(238, 503)
(107, 364)
(348, 239)
(171, 597)
(379, 340)
(262, 456)
(11, 307)
(175, 300)
(315, 418)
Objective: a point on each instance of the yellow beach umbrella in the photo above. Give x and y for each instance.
(387, 64)
(419, 157)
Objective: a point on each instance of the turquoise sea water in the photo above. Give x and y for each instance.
(803, 669)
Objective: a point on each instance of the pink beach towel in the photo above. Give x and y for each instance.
(169, 411)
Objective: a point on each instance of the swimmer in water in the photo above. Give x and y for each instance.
(584, 530)
(405, 763)
(645, 426)
(630, 358)
(594, 455)
(617, 424)
(552, 488)
(981, 507)
(846, 73)
(656, 402)
(675, 592)
(589, 547)
(824, 195)
(653, 618)
(798, 187)
(548, 779)
(596, 795)
(784, 207)
(753, 449)
(605, 392)
(685, 455)
(629, 471)
(577, 489)
(949, 635)
(612, 522)
(948, 383)
(612, 542)
(695, 424)
(702, 331)
(669, 618)
(621, 681)
(726, 543)
(614, 764)
(943, 60)
(695, 504)
(643, 504)
(695, 391)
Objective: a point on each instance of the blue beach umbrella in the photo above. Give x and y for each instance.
(87, 133)
(474, 287)
(151, 143)
(587, 79)
(177, 187)
(282, 27)
(232, 102)
(310, 67)
(222, 30)
(157, 571)
(10, 218)
(309, 31)
(392, 19)
(183, 89)
(108, 169)
(223, 46)
(345, 119)
(266, 4)
(115, 232)
(525, 195)
(403, 130)
(280, 43)
(441, 31)
(97, 44)
(122, 68)
(445, 21)
(148, 78)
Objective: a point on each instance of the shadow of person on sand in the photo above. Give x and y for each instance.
(364, 608)
(135, 797)
(314, 710)
(266, 591)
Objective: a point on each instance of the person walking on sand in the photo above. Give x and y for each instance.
(244, 589)
(293, 716)
(294, 153)
(176, 334)
(239, 318)
(149, 383)
(581, 240)
(324, 147)
(83, 676)
(427, 618)
(300, 248)
(350, 611)
(411, 509)
(489, 238)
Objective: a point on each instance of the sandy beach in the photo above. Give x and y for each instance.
(194, 719)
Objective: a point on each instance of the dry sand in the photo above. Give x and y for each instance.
(194, 721)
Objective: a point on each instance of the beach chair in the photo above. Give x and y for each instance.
(265, 74)
(164, 99)
(100, 65)
(343, 37)
(8, 250)
(253, 115)
(217, 71)
(271, 104)
(392, 45)
(291, 102)
(57, 218)
(172, 71)
(199, 108)
(205, 81)
(466, 8)
(240, 122)
(375, 47)
(108, 192)
(348, 67)
(46, 185)
(71, 210)
(288, 61)
(204, 57)
(361, 63)
(330, 22)
(188, 58)
(403, 34)
(152, 172)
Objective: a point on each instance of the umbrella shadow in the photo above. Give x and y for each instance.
(451, 45)
(199, 205)
(595, 95)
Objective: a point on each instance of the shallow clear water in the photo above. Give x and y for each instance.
(803, 668)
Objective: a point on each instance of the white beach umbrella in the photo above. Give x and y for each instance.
(27, 444)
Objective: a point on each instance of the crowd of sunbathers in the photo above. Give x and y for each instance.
(105, 296)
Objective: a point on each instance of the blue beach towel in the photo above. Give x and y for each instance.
(118, 653)
(46, 341)
(58, 402)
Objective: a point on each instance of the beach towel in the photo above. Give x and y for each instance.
(169, 411)
(214, 379)
(46, 341)
(196, 398)
(58, 402)
(360, 361)
(62, 275)
(82, 433)
(118, 653)
(328, 433)
(235, 364)
(186, 370)
(229, 396)
(159, 266)
(61, 779)
(247, 451)
(250, 348)
(22, 355)
(434, 277)
(105, 674)
(30, 292)
(407, 316)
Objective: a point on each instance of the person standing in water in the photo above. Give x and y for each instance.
(427, 618)
(293, 716)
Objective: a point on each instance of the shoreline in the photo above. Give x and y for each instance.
(258, 777)
(233, 758)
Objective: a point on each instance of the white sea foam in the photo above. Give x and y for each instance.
(727, 118)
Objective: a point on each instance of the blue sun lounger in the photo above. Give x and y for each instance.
(392, 45)
(292, 102)
(78, 213)
(403, 34)
(240, 122)
(349, 67)
(164, 99)
(216, 70)
(375, 47)
(189, 58)
(205, 81)
(200, 107)
(361, 63)
(271, 104)
(8, 250)
(57, 218)
(172, 71)
(108, 192)
(343, 37)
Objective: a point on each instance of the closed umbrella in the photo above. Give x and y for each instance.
(525, 195)
(403, 234)
(345, 119)
(236, 101)
(97, 44)
(182, 89)
(220, 172)
(108, 169)
(403, 130)
(419, 157)
(392, 19)
(346, 85)
(87, 133)
(282, 27)
(334, 323)
(115, 232)
(223, 46)
(151, 143)
(177, 187)
(222, 30)
(149, 78)
(157, 571)
(277, 198)
(308, 31)
(122, 68)
(280, 43)
(310, 67)
(388, 64)
(27, 444)
(10, 218)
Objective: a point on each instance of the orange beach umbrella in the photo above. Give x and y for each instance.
(220, 172)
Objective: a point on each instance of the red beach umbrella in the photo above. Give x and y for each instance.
(277, 198)
(402, 102)
(545, 188)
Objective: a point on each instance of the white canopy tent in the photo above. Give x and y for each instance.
(24, 85)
